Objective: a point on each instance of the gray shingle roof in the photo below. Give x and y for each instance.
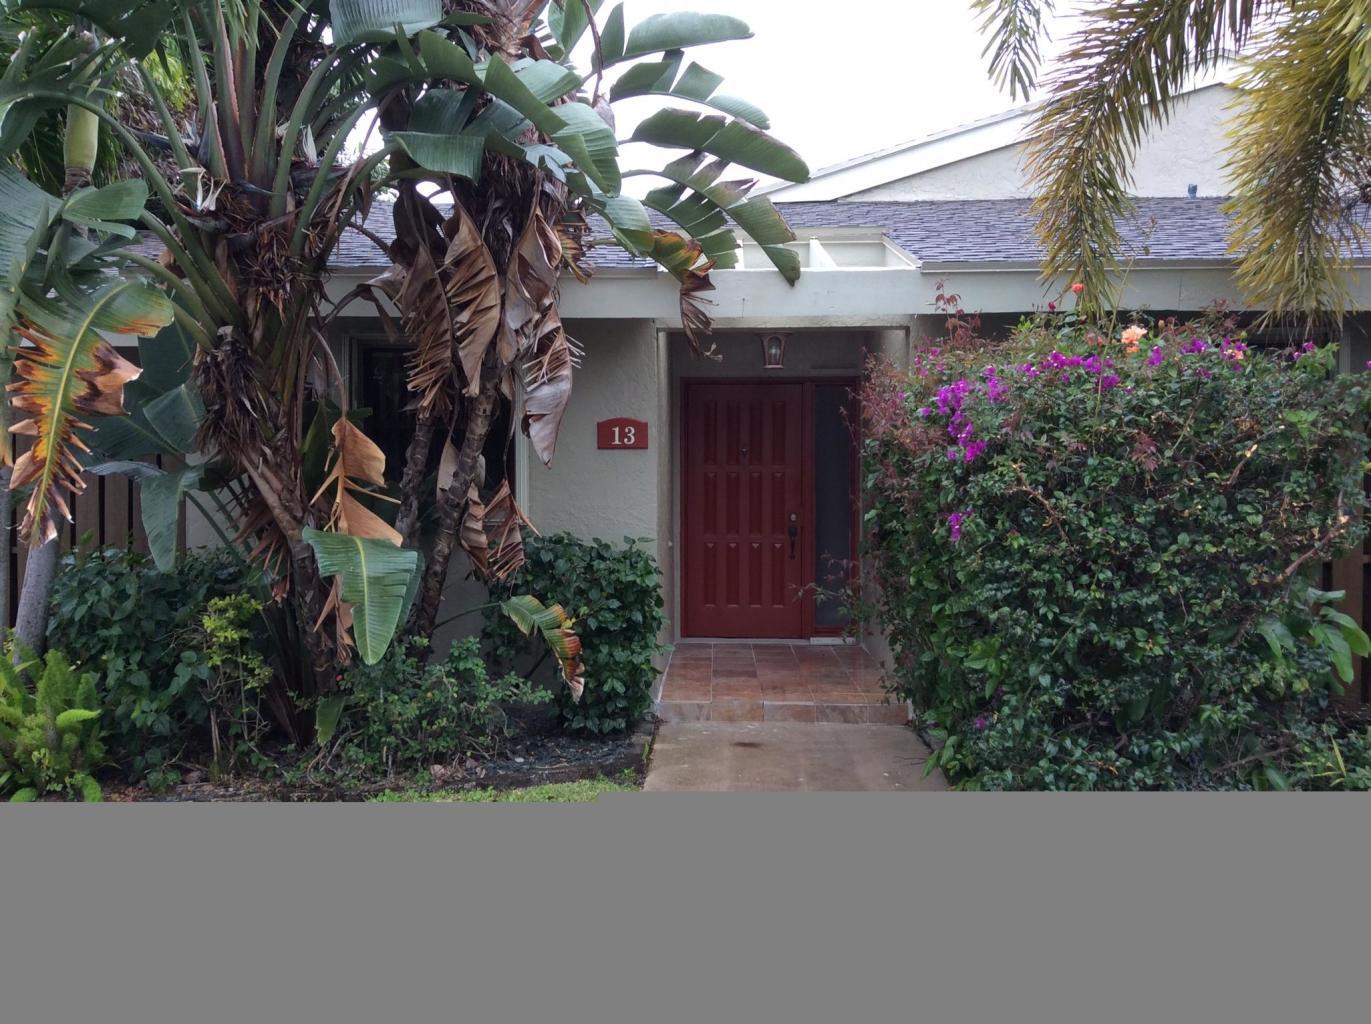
(1001, 230)
(943, 231)
(951, 231)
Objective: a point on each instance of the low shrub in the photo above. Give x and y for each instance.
(614, 596)
(127, 621)
(236, 680)
(50, 734)
(1094, 553)
(401, 716)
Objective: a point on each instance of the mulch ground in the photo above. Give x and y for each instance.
(529, 760)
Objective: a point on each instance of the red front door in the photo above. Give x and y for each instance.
(744, 507)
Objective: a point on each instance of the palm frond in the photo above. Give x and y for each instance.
(1016, 32)
(1301, 159)
(1120, 77)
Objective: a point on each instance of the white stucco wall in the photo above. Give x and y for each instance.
(1189, 149)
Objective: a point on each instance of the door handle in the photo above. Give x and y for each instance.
(793, 532)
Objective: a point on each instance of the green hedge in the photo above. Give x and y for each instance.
(615, 596)
(1094, 553)
(115, 613)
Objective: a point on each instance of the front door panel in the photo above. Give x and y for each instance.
(744, 556)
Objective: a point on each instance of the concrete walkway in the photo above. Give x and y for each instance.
(724, 757)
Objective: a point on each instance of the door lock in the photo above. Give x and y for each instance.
(793, 532)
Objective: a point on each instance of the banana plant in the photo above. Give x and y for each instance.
(481, 98)
(489, 106)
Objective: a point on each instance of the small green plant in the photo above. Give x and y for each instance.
(401, 716)
(49, 736)
(236, 681)
(1329, 761)
(614, 594)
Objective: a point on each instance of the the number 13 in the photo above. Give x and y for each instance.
(625, 437)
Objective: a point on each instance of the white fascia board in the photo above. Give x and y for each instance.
(906, 161)
(761, 295)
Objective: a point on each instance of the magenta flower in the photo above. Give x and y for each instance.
(955, 521)
(1108, 382)
(1155, 359)
(981, 723)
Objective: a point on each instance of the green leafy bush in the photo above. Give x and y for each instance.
(127, 621)
(50, 737)
(401, 716)
(614, 596)
(1094, 556)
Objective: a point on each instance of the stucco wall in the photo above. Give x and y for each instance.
(1187, 150)
(594, 493)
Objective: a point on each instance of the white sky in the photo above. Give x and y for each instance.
(836, 87)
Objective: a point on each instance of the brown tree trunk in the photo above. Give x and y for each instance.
(416, 465)
(453, 502)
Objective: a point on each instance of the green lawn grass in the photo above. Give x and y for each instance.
(582, 791)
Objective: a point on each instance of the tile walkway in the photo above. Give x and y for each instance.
(742, 682)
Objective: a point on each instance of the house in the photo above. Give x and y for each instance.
(742, 470)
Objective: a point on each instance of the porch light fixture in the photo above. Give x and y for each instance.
(773, 351)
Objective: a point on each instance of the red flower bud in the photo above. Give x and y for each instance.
(1078, 287)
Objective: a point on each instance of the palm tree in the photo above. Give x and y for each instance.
(1301, 152)
(476, 97)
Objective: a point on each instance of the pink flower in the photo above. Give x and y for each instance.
(1132, 336)
(1078, 287)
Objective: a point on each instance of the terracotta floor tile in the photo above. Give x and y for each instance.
(773, 711)
(693, 651)
(681, 691)
(841, 698)
(741, 689)
(887, 714)
(735, 711)
(851, 714)
(733, 650)
(683, 711)
(734, 665)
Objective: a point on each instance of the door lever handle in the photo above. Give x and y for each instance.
(793, 532)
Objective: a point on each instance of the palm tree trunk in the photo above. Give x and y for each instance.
(416, 463)
(35, 597)
(453, 503)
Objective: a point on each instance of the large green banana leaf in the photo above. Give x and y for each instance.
(376, 577)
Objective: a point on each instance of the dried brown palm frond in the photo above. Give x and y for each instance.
(547, 371)
(358, 465)
(492, 533)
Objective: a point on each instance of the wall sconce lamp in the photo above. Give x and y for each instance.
(773, 351)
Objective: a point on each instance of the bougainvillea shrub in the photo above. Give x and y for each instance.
(1095, 551)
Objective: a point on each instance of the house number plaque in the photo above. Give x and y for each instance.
(621, 433)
